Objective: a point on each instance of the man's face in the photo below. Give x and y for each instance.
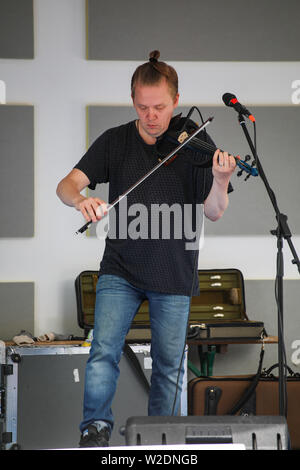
(154, 105)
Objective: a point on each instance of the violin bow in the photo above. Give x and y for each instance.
(143, 178)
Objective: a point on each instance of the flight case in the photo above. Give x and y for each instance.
(42, 390)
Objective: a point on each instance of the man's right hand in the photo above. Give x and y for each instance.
(69, 189)
(92, 208)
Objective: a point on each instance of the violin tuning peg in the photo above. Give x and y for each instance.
(239, 173)
(247, 158)
(248, 176)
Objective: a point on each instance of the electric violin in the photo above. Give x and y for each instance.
(180, 128)
(143, 178)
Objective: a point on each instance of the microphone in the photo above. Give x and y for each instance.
(231, 100)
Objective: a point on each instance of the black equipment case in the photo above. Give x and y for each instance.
(219, 312)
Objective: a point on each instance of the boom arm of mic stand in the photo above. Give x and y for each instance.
(282, 231)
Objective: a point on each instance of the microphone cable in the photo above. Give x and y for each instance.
(194, 271)
(193, 108)
(186, 335)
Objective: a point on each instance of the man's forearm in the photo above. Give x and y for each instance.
(217, 201)
(68, 193)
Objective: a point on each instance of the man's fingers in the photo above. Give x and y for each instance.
(216, 157)
(93, 209)
(224, 160)
(232, 161)
(101, 210)
(85, 213)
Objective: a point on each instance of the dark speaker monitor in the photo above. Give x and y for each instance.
(254, 432)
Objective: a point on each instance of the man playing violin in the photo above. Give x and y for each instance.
(132, 270)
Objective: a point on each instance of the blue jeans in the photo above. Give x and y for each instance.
(117, 302)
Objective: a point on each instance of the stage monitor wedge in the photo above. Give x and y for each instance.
(255, 432)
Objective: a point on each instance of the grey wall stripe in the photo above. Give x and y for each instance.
(16, 29)
(17, 170)
(16, 308)
(235, 30)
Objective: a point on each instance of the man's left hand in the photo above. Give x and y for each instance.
(223, 165)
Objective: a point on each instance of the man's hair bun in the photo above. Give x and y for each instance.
(154, 56)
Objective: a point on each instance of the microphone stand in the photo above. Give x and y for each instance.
(282, 231)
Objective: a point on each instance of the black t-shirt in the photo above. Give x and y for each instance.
(158, 262)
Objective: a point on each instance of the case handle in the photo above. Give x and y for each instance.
(275, 366)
